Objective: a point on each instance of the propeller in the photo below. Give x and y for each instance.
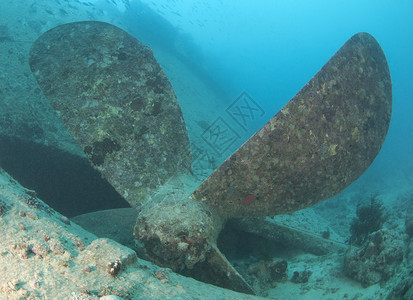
(121, 109)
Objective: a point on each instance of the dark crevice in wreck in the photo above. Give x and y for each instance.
(66, 182)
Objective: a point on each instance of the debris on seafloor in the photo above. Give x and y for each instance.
(377, 260)
(301, 276)
(289, 236)
(121, 109)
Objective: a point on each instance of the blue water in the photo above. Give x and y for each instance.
(272, 48)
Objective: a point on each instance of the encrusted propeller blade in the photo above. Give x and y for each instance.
(317, 145)
(117, 103)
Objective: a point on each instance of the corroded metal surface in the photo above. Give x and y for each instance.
(116, 101)
(317, 145)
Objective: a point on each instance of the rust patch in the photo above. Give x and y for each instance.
(248, 199)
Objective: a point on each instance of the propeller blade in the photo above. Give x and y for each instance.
(117, 103)
(316, 146)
